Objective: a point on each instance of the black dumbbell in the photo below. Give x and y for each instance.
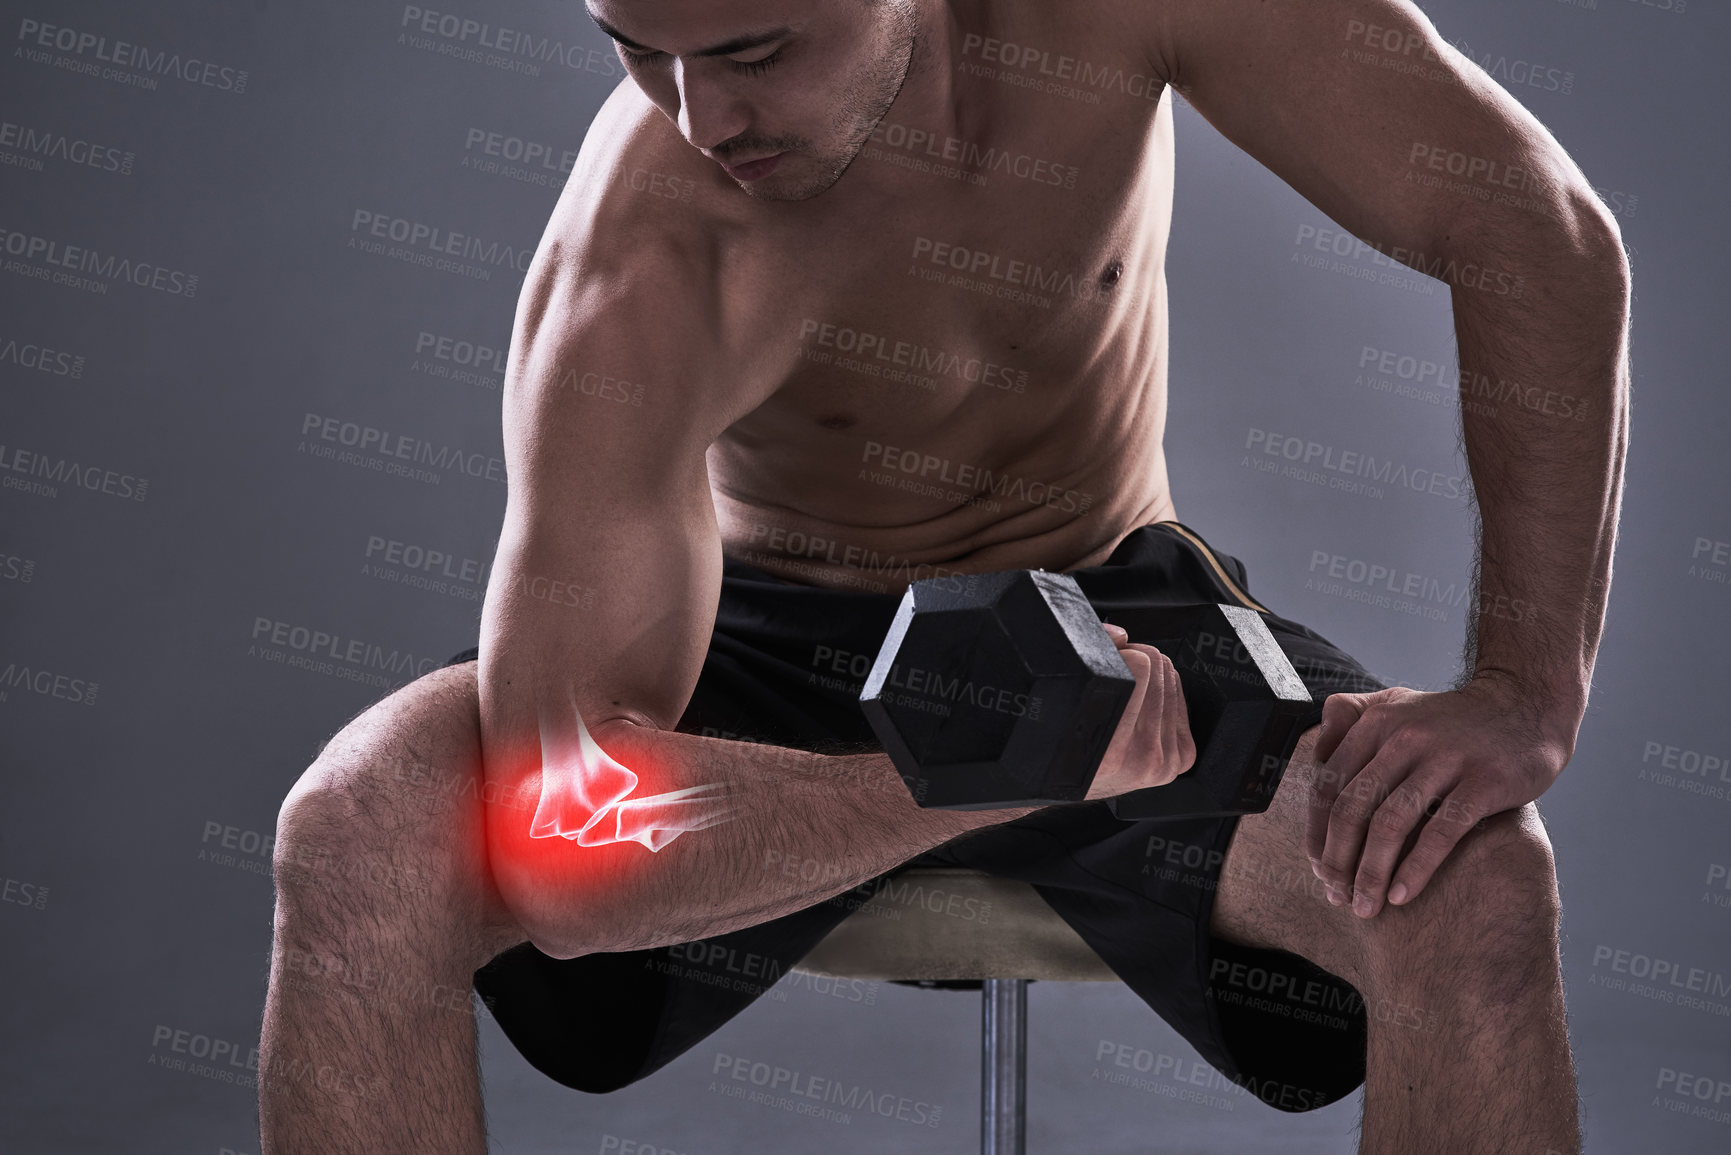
(1001, 689)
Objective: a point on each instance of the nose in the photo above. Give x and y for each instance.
(708, 112)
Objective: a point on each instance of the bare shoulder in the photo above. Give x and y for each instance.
(639, 193)
(633, 266)
(1275, 44)
(1113, 29)
(1172, 34)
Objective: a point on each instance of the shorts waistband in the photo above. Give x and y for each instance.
(1227, 570)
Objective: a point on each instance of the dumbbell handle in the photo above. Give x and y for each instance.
(1244, 701)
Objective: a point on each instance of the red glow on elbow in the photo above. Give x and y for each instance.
(556, 866)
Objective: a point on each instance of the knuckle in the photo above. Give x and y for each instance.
(1408, 740)
(1327, 783)
(1377, 711)
(1371, 876)
(1362, 795)
(1335, 867)
(1389, 825)
(1461, 810)
(1406, 804)
(1341, 854)
(1429, 853)
(1168, 762)
(1342, 840)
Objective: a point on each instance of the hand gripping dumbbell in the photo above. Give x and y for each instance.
(1001, 689)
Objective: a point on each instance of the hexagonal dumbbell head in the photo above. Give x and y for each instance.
(996, 690)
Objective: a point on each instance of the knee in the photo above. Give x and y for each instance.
(1505, 874)
(370, 818)
(1490, 916)
(320, 826)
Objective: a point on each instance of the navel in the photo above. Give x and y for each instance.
(1110, 274)
(837, 421)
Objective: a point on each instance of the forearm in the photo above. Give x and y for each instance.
(1544, 414)
(800, 828)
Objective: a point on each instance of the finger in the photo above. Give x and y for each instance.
(1335, 765)
(1149, 742)
(1121, 748)
(1456, 814)
(1137, 755)
(1142, 669)
(1180, 744)
(1390, 830)
(1318, 806)
(1339, 712)
(1354, 738)
(1349, 820)
(1118, 634)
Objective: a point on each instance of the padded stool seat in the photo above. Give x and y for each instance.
(949, 923)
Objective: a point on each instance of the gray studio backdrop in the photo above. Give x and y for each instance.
(180, 522)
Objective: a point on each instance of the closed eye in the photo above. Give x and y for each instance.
(749, 67)
(757, 67)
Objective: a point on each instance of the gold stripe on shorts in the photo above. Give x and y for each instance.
(1219, 569)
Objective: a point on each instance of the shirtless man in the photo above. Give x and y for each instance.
(634, 507)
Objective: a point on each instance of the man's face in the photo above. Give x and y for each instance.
(745, 80)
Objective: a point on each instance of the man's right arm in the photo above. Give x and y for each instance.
(602, 602)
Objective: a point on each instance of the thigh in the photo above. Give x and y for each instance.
(1269, 896)
(402, 784)
(413, 755)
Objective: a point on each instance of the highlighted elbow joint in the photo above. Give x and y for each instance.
(586, 795)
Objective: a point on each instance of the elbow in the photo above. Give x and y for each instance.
(1595, 241)
(568, 898)
(601, 915)
(556, 918)
(559, 942)
(552, 890)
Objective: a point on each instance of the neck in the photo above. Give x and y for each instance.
(928, 99)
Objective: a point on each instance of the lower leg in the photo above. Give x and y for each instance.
(369, 1039)
(1468, 1047)
(368, 1045)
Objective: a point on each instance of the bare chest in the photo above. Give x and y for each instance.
(1018, 250)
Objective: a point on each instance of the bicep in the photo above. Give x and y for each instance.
(608, 607)
(1365, 110)
(604, 587)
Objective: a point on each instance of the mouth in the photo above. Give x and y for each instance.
(753, 169)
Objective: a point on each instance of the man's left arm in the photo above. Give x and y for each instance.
(1367, 112)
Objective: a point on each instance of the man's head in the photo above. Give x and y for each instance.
(747, 79)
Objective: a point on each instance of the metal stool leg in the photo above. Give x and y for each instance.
(1004, 1066)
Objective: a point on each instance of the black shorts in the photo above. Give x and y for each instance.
(785, 666)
